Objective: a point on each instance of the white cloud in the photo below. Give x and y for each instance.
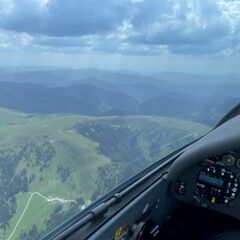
(6, 7)
(13, 40)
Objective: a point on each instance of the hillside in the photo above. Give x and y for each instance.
(61, 163)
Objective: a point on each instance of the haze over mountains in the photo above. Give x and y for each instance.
(96, 92)
(74, 135)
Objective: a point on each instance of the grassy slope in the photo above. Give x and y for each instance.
(72, 150)
(79, 154)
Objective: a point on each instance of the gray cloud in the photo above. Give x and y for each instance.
(64, 18)
(191, 28)
(184, 23)
(147, 27)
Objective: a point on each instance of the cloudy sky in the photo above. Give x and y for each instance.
(139, 35)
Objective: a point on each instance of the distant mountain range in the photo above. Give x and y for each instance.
(79, 99)
(94, 92)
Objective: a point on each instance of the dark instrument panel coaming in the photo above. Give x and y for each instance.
(213, 183)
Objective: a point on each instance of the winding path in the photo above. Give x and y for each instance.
(48, 199)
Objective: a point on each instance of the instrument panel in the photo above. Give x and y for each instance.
(207, 173)
(217, 184)
(212, 183)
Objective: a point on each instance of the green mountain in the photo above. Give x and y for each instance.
(52, 166)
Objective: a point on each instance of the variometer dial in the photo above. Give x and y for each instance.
(229, 159)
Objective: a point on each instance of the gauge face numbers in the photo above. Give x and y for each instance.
(229, 159)
(217, 184)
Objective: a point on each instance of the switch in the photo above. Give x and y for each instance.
(213, 200)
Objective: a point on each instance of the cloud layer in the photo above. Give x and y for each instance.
(191, 27)
(63, 18)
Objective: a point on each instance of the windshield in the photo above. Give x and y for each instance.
(93, 93)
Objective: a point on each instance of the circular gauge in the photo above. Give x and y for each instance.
(217, 184)
(229, 159)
